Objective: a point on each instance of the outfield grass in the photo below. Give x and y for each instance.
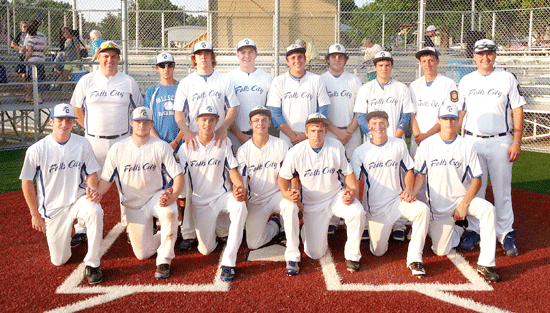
(531, 171)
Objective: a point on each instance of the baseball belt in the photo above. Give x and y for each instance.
(484, 137)
(107, 137)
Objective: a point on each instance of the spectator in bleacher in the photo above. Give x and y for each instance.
(71, 53)
(95, 36)
(17, 43)
(371, 49)
(35, 45)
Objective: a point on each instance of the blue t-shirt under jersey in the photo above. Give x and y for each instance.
(160, 99)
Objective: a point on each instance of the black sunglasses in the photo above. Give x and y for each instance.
(486, 46)
(165, 65)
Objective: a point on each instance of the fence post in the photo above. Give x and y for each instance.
(383, 30)
(473, 20)
(49, 28)
(530, 29)
(276, 34)
(124, 36)
(462, 31)
(162, 28)
(137, 25)
(337, 23)
(35, 102)
(494, 25)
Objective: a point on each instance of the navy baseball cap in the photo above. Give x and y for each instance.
(448, 110)
(142, 114)
(62, 110)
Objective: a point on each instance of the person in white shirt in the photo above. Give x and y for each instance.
(387, 197)
(319, 163)
(251, 86)
(493, 106)
(65, 170)
(260, 160)
(451, 168)
(35, 44)
(149, 182)
(210, 198)
(371, 49)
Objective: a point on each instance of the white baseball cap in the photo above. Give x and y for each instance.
(317, 117)
(484, 45)
(142, 114)
(246, 43)
(448, 110)
(165, 57)
(431, 28)
(427, 50)
(294, 48)
(336, 48)
(208, 110)
(202, 45)
(260, 109)
(382, 56)
(62, 110)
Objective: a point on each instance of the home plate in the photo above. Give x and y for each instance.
(275, 253)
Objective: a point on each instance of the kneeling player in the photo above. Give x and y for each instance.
(207, 165)
(451, 167)
(318, 162)
(143, 166)
(260, 160)
(379, 161)
(58, 163)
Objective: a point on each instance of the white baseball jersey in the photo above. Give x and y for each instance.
(448, 168)
(428, 99)
(260, 168)
(196, 91)
(395, 98)
(140, 172)
(319, 172)
(206, 166)
(380, 167)
(297, 98)
(488, 101)
(60, 171)
(107, 102)
(252, 90)
(342, 91)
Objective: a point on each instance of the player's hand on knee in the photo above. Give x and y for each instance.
(93, 195)
(407, 196)
(459, 214)
(38, 223)
(167, 197)
(240, 193)
(349, 195)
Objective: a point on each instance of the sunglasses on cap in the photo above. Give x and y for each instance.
(108, 45)
(487, 46)
(166, 65)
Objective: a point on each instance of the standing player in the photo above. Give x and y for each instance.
(451, 167)
(429, 92)
(160, 99)
(379, 162)
(143, 167)
(494, 108)
(386, 94)
(295, 95)
(59, 163)
(251, 86)
(103, 101)
(260, 160)
(210, 198)
(319, 161)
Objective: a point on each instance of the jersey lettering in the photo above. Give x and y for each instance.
(62, 166)
(211, 162)
(137, 167)
(266, 165)
(453, 162)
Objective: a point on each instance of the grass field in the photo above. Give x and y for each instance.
(531, 171)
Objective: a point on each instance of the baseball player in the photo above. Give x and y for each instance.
(260, 160)
(294, 95)
(429, 92)
(206, 165)
(385, 197)
(160, 99)
(65, 170)
(450, 165)
(386, 94)
(144, 167)
(251, 86)
(319, 161)
(493, 107)
(103, 101)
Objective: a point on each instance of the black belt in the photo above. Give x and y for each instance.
(343, 127)
(485, 137)
(107, 137)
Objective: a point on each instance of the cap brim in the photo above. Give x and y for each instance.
(107, 49)
(449, 115)
(382, 59)
(317, 120)
(424, 52)
(299, 50)
(246, 46)
(204, 114)
(141, 119)
(255, 112)
(484, 50)
(202, 50)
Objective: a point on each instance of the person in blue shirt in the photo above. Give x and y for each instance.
(95, 36)
(160, 99)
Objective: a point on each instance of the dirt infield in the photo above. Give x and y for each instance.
(32, 284)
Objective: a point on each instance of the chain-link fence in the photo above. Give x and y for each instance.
(523, 36)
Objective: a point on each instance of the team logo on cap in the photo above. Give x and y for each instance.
(143, 113)
(209, 109)
(454, 96)
(203, 44)
(66, 109)
(338, 48)
(165, 56)
(382, 54)
(246, 41)
(317, 115)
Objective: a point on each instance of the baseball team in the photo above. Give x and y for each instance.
(202, 148)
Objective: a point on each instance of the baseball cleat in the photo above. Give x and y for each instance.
(469, 240)
(488, 273)
(187, 244)
(292, 268)
(93, 274)
(331, 230)
(228, 273)
(398, 236)
(417, 269)
(509, 244)
(352, 266)
(222, 241)
(365, 236)
(163, 271)
(78, 239)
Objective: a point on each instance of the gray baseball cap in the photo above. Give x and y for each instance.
(142, 114)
